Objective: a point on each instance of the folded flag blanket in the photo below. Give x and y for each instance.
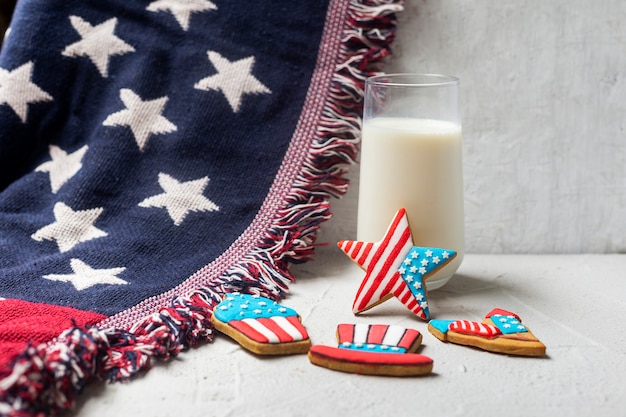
(156, 155)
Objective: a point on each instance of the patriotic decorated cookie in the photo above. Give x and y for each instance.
(376, 349)
(395, 268)
(261, 325)
(501, 331)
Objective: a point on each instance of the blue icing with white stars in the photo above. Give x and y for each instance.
(508, 324)
(419, 263)
(245, 306)
(372, 347)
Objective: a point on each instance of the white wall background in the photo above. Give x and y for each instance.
(544, 108)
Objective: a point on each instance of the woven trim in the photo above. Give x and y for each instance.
(46, 379)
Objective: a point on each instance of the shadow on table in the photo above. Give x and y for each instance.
(463, 284)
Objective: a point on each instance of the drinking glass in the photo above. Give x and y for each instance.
(411, 157)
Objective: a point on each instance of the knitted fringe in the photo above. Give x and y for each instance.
(46, 379)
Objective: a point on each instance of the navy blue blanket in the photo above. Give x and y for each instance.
(156, 155)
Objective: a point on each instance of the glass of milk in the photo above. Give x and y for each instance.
(411, 157)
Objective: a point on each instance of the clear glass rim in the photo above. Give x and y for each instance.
(411, 80)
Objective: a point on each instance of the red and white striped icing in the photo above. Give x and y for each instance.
(377, 334)
(271, 330)
(474, 328)
(381, 260)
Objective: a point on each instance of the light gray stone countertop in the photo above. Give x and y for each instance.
(575, 304)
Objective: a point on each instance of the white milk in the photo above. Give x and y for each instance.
(415, 164)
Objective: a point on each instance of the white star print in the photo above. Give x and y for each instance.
(407, 262)
(422, 270)
(143, 117)
(415, 255)
(424, 262)
(429, 253)
(71, 227)
(181, 9)
(97, 42)
(180, 198)
(85, 276)
(445, 255)
(413, 269)
(436, 260)
(18, 91)
(63, 166)
(233, 79)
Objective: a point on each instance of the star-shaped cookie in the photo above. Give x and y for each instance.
(394, 267)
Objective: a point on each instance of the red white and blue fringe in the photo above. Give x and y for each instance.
(46, 379)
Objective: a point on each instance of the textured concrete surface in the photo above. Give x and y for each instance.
(572, 303)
